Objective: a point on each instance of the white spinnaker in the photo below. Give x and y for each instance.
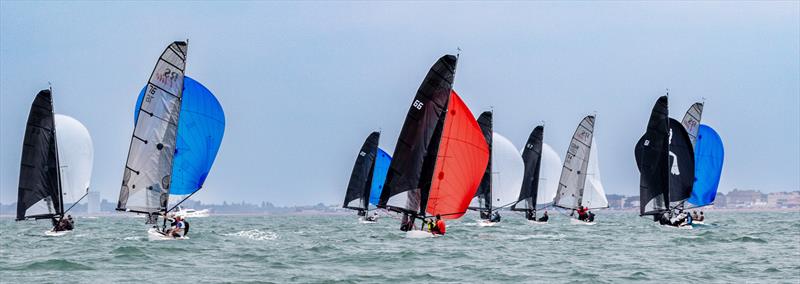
(549, 173)
(594, 196)
(507, 171)
(75, 158)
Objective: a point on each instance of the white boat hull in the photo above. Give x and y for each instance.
(574, 221)
(537, 222)
(417, 234)
(51, 233)
(154, 234)
(698, 222)
(486, 223)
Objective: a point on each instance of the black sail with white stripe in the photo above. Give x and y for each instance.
(148, 169)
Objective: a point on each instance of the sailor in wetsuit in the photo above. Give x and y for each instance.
(177, 228)
(439, 228)
(545, 217)
(495, 217)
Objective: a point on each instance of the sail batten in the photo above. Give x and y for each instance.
(148, 171)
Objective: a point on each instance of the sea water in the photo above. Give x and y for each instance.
(735, 247)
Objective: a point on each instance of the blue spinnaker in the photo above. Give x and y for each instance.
(382, 162)
(200, 128)
(709, 155)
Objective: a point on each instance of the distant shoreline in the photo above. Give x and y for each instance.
(317, 213)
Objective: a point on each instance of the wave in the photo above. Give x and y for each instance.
(56, 264)
(748, 239)
(255, 234)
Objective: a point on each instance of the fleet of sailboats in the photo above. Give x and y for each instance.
(445, 161)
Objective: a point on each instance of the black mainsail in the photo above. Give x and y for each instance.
(484, 193)
(408, 180)
(39, 195)
(532, 157)
(681, 161)
(652, 160)
(357, 196)
(148, 169)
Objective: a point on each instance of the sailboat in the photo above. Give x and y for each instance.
(580, 184)
(665, 159)
(179, 126)
(502, 177)
(367, 178)
(538, 187)
(440, 155)
(56, 165)
(708, 157)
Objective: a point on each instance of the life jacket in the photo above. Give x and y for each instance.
(441, 227)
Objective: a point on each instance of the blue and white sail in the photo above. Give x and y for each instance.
(709, 155)
(200, 130)
(382, 161)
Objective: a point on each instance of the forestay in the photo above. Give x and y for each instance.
(148, 170)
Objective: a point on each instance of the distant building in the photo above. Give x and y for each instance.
(615, 201)
(93, 200)
(632, 202)
(720, 200)
(745, 198)
(784, 199)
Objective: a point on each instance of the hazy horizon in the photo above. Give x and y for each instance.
(303, 83)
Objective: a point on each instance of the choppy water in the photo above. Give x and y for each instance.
(738, 247)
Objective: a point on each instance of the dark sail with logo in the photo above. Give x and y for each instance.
(484, 194)
(681, 163)
(39, 193)
(651, 153)
(532, 156)
(415, 152)
(357, 196)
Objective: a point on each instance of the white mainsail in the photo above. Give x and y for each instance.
(75, 158)
(691, 121)
(573, 174)
(148, 170)
(507, 171)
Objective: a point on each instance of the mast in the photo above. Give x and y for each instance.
(408, 178)
(60, 200)
(573, 174)
(148, 170)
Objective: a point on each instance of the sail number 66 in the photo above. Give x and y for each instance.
(417, 104)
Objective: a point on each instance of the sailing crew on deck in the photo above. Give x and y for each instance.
(701, 218)
(440, 228)
(373, 217)
(530, 215)
(545, 217)
(495, 217)
(694, 215)
(176, 228)
(407, 224)
(581, 213)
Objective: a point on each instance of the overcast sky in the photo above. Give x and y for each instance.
(303, 84)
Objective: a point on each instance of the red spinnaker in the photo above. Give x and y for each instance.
(462, 159)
